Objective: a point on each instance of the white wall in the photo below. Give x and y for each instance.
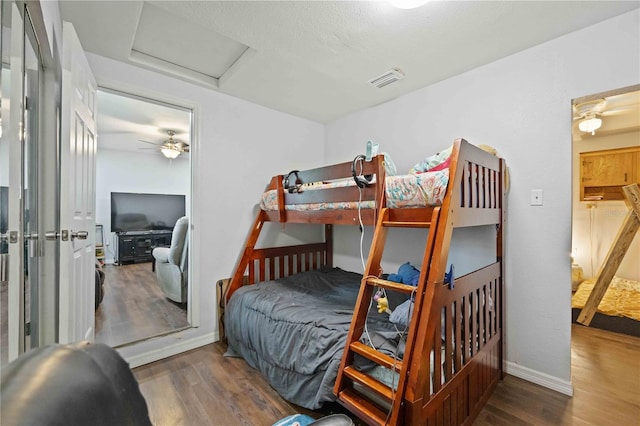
(522, 106)
(596, 223)
(236, 148)
(130, 171)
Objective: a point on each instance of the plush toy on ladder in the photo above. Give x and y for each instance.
(407, 274)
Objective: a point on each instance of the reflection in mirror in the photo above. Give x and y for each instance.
(31, 188)
(5, 35)
(606, 157)
(141, 273)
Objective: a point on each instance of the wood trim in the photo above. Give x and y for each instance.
(606, 94)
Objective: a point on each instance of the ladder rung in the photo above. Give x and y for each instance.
(391, 285)
(396, 224)
(376, 356)
(362, 408)
(369, 382)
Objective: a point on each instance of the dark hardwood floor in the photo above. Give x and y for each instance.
(134, 307)
(202, 387)
(605, 370)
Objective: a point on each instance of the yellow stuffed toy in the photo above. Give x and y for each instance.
(383, 305)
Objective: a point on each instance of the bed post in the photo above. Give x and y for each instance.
(504, 185)
(277, 182)
(328, 240)
(381, 176)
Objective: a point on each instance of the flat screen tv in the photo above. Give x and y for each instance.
(131, 212)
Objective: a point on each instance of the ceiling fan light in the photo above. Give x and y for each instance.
(170, 153)
(590, 125)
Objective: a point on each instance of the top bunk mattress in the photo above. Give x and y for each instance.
(402, 191)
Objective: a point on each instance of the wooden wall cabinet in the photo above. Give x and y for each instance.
(604, 173)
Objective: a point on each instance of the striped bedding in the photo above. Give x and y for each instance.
(411, 190)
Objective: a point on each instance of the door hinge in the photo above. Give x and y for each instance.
(27, 329)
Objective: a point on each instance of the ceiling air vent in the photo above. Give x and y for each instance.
(388, 77)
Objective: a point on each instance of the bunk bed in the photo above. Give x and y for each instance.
(308, 326)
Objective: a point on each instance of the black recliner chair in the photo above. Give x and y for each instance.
(78, 384)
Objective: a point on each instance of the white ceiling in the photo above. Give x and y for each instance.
(314, 59)
(124, 122)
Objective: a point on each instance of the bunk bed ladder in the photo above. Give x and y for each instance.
(238, 279)
(371, 400)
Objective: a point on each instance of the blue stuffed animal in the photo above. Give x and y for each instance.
(407, 274)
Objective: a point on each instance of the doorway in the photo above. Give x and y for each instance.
(605, 158)
(143, 158)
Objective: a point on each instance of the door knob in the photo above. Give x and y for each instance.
(51, 235)
(81, 235)
(11, 236)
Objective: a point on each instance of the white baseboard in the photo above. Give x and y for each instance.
(167, 350)
(563, 386)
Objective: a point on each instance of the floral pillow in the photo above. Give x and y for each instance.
(433, 163)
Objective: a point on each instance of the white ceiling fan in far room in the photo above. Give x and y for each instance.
(170, 148)
(597, 114)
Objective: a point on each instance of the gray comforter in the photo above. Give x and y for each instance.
(294, 330)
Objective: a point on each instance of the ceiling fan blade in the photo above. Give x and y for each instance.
(149, 142)
(620, 110)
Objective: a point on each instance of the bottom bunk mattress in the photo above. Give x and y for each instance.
(293, 330)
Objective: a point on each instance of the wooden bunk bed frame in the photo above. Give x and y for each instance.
(471, 351)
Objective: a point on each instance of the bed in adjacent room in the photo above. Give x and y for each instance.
(619, 309)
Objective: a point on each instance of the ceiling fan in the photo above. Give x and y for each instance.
(587, 113)
(170, 148)
(590, 113)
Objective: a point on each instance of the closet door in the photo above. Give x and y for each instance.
(21, 243)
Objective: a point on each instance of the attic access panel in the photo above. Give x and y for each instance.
(166, 38)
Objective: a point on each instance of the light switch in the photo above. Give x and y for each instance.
(536, 197)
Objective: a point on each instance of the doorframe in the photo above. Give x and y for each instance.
(193, 306)
(575, 178)
(575, 184)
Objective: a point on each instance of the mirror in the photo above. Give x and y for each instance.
(141, 192)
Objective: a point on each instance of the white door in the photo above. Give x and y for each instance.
(77, 193)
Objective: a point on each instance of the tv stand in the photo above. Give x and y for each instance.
(136, 246)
